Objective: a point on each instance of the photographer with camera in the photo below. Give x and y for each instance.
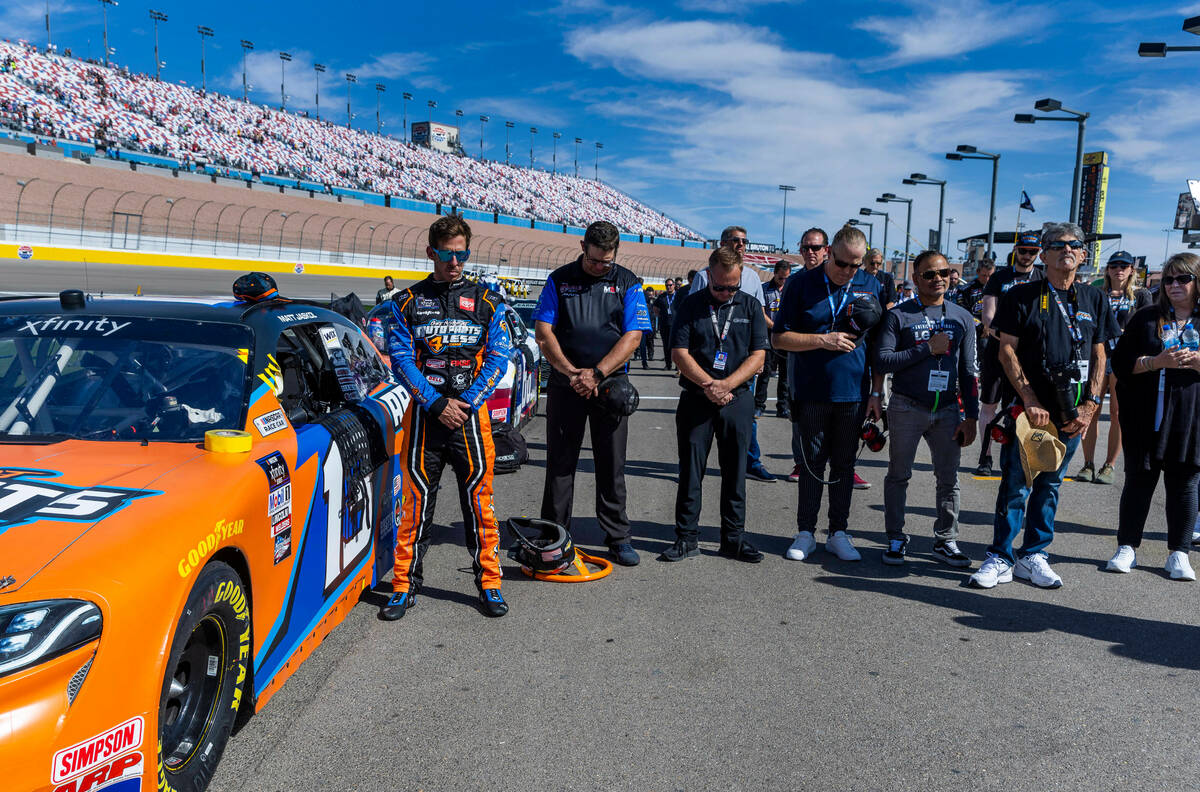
(928, 346)
(1052, 336)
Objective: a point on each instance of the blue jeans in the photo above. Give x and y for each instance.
(1032, 507)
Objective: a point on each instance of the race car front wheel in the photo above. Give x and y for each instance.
(204, 681)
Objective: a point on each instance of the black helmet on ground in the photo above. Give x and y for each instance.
(541, 545)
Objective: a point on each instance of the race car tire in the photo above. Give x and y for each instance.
(204, 682)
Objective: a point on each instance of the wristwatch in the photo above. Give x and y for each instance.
(599, 374)
(1094, 399)
(876, 395)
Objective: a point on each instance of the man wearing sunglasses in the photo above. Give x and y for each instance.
(718, 342)
(928, 346)
(449, 347)
(991, 376)
(589, 320)
(828, 380)
(814, 247)
(1052, 335)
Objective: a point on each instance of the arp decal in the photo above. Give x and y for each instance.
(97, 751)
(123, 774)
(25, 496)
(270, 423)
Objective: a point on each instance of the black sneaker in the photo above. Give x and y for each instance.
(680, 551)
(625, 554)
(491, 603)
(784, 414)
(894, 555)
(743, 551)
(396, 607)
(985, 467)
(948, 553)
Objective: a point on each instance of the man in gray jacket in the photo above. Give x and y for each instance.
(927, 344)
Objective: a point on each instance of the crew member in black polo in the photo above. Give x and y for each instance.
(719, 343)
(664, 309)
(590, 318)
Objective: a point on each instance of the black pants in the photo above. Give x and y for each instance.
(664, 331)
(646, 347)
(697, 422)
(829, 435)
(776, 364)
(566, 414)
(1181, 482)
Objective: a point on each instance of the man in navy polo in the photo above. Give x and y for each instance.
(829, 381)
(589, 321)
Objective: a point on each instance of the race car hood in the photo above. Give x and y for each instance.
(51, 495)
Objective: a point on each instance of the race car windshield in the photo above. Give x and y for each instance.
(123, 378)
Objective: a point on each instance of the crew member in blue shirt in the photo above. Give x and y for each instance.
(589, 320)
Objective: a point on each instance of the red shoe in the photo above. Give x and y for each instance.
(794, 476)
(861, 483)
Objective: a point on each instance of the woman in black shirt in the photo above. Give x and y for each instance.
(1158, 380)
(1125, 297)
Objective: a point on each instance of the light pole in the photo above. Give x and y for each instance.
(247, 46)
(47, 24)
(577, 142)
(104, 4)
(970, 152)
(458, 121)
(598, 147)
(891, 198)
(921, 178)
(319, 68)
(785, 189)
(1146, 49)
(407, 97)
(508, 125)
(870, 230)
(1166, 243)
(482, 120)
(554, 160)
(350, 80)
(949, 224)
(532, 132)
(156, 16)
(284, 57)
(379, 89)
(867, 211)
(205, 32)
(1080, 119)
(431, 105)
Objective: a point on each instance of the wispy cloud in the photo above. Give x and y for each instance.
(936, 30)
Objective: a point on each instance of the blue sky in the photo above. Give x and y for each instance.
(706, 106)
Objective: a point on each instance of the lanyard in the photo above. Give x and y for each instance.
(1162, 373)
(941, 325)
(670, 301)
(1076, 335)
(721, 332)
(833, 312)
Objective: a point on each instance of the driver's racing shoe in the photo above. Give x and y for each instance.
(491, 603)
(400, 602)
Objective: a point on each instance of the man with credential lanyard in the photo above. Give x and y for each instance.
(1052, 336)
(828, 384)
(928, 346)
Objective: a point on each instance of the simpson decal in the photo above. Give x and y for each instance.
(272, 422)
(466, 303)
(26, 496)
(97, 751)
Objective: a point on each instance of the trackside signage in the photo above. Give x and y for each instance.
(96, 751)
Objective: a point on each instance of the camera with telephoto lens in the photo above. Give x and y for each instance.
(1065, 379)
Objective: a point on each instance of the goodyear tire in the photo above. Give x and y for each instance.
(205, 678)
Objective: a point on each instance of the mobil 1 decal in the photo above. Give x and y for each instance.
(279, 503)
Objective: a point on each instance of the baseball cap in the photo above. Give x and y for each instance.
(863, 313)
(1029, 239)
(1041, 450)
(1121, 255)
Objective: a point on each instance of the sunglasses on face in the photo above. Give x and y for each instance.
(1060, 244)
(1027, 251)
(929, 275)
(723, 289)
(850, 264)
(1182, 279)
(811, 248)
(1119, 265)
(737, 240)
(445, 255)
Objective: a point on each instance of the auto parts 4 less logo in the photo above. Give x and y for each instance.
(442, 333)
(26, 496)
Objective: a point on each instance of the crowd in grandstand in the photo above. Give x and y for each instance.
(52, 94)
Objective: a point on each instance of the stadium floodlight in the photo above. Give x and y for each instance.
(888, 196)
(965, 149)
(921, 178)
(1047, 105)
(973, 153)
(379, 89)
(892, 198)
(554, 159)
(953, 156)
(319, 68)
(482, 120)
(350, 79)
(867, 212)
(532, 132)
(247, 46)
(156, 16)
(598, 147)
(1024, 118)
(1192, 25)
(577, 142)
(1152, 49)
(406, 97)
(104, 4)
(205, 32)
(785, 189)
(508, 125)
(284, 57)
(1074, 116)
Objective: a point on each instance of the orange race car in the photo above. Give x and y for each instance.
(192, 495)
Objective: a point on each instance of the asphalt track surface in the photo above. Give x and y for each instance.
(715, 675)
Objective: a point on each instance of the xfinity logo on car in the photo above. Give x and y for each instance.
(58, 324)
(25, 496)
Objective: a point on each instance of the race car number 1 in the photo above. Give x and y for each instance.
(341, 552)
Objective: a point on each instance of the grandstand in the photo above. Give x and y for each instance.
(71, 99)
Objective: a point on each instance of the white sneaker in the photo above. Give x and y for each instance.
(1036, 569)
(839, 544)
(803, 546)
(1123, 560)
(1178, 566)
(994, 570)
